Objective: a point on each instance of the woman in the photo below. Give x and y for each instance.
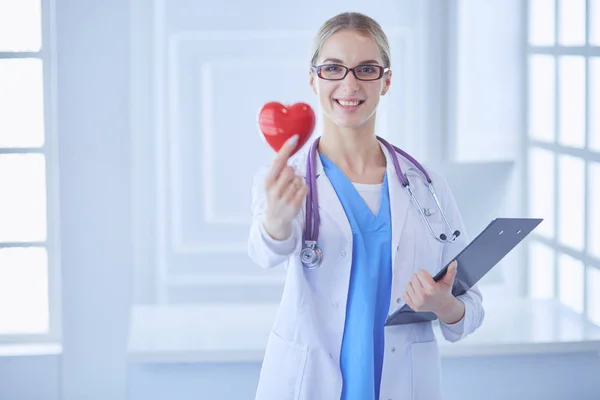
(329, 340)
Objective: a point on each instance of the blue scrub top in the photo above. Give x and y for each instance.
(369, 292)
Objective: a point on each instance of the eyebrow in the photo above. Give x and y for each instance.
(338, 61)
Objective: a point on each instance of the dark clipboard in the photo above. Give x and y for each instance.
(474, 261)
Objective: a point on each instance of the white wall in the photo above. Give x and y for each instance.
(95, 164)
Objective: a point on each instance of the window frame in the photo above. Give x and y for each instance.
(47, 54)
(585, 154)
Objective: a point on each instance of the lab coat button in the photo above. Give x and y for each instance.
(331, 356)
(335, 305)
(393, 349)
(398, 300)
(343, 254)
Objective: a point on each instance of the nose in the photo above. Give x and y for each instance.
(350, 82)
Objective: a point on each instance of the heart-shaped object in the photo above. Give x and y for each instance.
(278, 123)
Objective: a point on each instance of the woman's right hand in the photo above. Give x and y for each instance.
(285, 192)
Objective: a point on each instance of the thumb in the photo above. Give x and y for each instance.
(450, 274)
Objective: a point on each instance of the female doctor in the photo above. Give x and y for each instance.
(329, 340)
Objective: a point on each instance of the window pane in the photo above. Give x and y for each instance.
(593, 219)
(571, 25)
(570, 282)
(20, 25)
(23, 290)
(541, 189)
(21, 103)
(541, 271)
(593, 295)
(571, 196)
(595, 27)
(23, 200)
(542, 71)
(572, 102)
(594, 92)
(541, 22)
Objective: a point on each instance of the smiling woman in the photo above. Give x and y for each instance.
(374, 252)
(350, 43)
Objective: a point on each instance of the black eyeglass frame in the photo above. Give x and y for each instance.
(382, 71)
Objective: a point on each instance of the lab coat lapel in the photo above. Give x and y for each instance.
(399, 200)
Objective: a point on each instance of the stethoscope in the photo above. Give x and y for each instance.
(311, 255)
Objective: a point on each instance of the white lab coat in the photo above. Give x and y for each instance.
(302, 358)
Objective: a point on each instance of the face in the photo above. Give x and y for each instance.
(350, 103)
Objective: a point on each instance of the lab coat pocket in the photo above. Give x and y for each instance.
(282, 369)
(426, 379)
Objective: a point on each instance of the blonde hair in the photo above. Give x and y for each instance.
(356, 22)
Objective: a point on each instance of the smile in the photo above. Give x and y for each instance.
(349, 103)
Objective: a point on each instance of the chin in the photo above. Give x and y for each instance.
(351, 121)
(345, 123)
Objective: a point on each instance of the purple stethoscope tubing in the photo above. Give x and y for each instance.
(311, 255)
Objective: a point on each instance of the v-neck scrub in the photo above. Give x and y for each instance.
(367, 208)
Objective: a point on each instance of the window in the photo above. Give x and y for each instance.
(28, 254)
(563, 151)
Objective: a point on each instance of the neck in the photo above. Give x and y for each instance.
(355, 150)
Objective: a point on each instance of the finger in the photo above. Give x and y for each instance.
(416, 281)
(273, 173)
(450, 274)
(426, 280)
(418, 295)
(283, 181)
(409, 300)
(454, 266)
(293, 187)
(280, 161)
(452, 269)
(300, 195)
(412, 291)
(288, 147)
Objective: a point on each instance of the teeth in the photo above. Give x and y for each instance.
(349, 103)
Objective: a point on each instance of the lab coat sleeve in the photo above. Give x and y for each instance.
(472, 299)
(262, 248)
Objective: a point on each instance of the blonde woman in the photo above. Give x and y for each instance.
(373, 252)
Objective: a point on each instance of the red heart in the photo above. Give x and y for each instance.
(278, 123)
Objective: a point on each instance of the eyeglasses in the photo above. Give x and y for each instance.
(337, 72)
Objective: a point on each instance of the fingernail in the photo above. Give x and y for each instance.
(294, 139)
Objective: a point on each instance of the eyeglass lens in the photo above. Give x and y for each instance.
(362, 72)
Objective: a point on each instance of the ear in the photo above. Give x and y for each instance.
(387, 81)
(311, 81)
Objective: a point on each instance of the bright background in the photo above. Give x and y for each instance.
(128, 143)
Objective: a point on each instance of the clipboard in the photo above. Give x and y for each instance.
(474, 261)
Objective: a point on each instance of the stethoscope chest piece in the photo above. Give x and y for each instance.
(311, 256)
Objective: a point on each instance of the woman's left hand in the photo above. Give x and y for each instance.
(425, 294)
